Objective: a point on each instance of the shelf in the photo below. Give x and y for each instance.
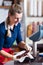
(5, 7)
(29, 20)
(34, 16)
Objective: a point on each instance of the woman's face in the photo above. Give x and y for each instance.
(15, 18)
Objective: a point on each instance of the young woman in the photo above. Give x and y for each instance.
(10, 31)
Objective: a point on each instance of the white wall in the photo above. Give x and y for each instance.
(3, 14)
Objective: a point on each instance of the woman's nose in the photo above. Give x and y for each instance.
(15, 19)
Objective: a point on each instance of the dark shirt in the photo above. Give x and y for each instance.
(6, 41)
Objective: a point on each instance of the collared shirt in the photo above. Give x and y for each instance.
(7, 42)
(10, 27)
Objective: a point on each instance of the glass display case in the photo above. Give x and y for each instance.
(33, 16)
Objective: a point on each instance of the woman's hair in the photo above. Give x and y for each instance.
(15, 8)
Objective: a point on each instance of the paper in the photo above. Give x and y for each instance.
(30, 56)
(21, 59)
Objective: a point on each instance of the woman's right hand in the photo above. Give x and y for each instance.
(19, 56)
(14, 57)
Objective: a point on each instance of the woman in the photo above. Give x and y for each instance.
(10, 31)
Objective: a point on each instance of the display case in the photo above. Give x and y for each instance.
(33, 16)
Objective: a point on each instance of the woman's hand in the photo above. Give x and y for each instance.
(19, 56)
(25, 46)
(14, 57)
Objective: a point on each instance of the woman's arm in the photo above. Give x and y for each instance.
(5, 54)
(23, 45)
